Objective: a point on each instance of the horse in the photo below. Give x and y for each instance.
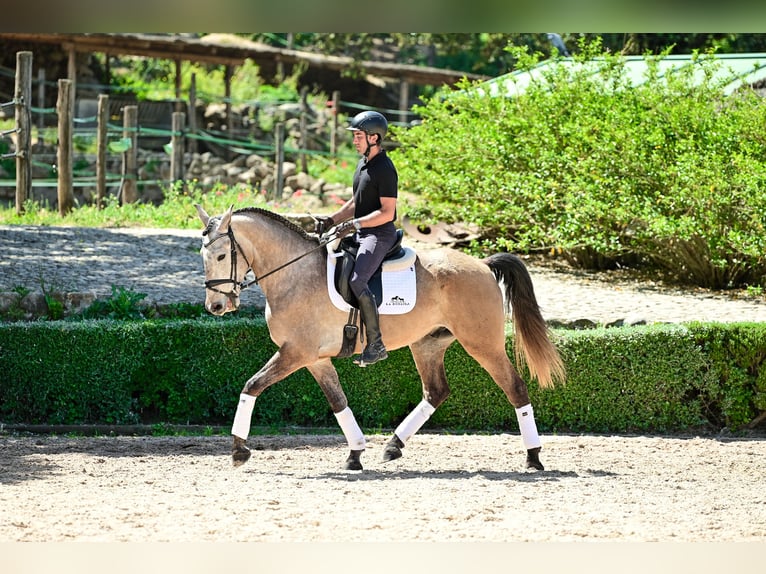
(459, 298)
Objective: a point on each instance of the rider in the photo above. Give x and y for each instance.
(370, 213)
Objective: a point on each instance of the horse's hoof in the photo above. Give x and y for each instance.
(353, 461)
(391, 452)
(533, 459)
(393, 449)
(240, 456)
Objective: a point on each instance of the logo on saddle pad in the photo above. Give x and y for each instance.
(393, 284)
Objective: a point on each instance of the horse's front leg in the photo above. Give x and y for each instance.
(327, 377)
(281, 364)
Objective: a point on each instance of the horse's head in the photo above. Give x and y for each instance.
(223, 277)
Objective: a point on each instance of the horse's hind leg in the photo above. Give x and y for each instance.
(496, 363)
(327, 377)
(516, 391)
(428, 354)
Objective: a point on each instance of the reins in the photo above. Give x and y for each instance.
(212, 284)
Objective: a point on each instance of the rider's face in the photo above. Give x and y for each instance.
(360, 141)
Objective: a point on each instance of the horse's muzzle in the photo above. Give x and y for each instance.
(222, 304)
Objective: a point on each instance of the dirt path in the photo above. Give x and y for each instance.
(165, 265)
(445, 488)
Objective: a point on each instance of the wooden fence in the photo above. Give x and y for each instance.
(182, 136)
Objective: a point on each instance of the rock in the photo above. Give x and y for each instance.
(627, 322)
(288, 168)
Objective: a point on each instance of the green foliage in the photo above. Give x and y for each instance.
(15, 311)
(737, 390)
(7, 164)
(668, 173)
(153, 79)
(485, 53)
(122, 305)
(660, 378)
(176, 211)
(54, 381)
(55, 306)
(627, 380)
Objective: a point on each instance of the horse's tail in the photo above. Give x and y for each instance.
(532, 337)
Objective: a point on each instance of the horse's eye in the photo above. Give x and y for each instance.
(222, 257)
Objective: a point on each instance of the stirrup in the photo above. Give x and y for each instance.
(372, 354)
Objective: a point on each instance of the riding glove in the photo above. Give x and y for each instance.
(347, 228)
(322, 224)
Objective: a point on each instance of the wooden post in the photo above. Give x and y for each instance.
(65, 112)
(334, 125)
(303, 128)
(22, 96)
(72, 73)
(279, 142)
(107, 79)
(404, 100)
(40, 104)
(130, 159)
(103, 120)
(178, 85)
(192, 142)
(177, 143)
(227, 73)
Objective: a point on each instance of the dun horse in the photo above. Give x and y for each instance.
(459, 297)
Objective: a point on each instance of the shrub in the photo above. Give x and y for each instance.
(658, 378)
(668, 173)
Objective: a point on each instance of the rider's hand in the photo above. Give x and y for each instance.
(322, 224)
(346, 228)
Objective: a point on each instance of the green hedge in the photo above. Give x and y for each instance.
(633, 379)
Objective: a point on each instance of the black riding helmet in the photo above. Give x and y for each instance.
(370, 123)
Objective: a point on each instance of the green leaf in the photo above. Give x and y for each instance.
(121, 146)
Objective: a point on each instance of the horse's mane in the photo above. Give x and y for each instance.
(292, 226)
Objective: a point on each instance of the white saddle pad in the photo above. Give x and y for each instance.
(397, 282)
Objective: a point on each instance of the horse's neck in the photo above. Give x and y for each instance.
(269, 244)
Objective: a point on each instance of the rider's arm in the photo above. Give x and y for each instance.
(380, 216)
(344, 213)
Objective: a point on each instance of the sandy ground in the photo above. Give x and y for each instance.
(466, 488)
(690, 495)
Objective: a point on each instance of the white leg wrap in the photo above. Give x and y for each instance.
(352, 432)
(527, 426)
(241, 426)
(416, 419)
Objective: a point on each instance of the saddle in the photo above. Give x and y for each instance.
(344, 267)
(395, 279)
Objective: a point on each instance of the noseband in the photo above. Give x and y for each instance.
(213, 284)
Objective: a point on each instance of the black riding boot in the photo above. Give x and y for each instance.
(374, 351)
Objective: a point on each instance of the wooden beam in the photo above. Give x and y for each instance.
(235, 52)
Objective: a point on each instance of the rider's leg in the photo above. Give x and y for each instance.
(373, 246)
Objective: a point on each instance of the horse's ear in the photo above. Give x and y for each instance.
(223, 227)
(202, 214)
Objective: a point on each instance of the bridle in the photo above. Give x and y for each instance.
(213, 284)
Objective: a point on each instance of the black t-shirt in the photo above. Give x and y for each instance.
(372, 180)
